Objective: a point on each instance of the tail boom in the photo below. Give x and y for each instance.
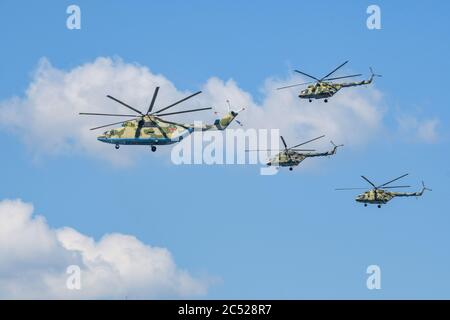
(412, 194)
(323, 154)
(219, 124)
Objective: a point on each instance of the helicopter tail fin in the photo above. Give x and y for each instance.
(423, 189)
(335, 147)
(372, 75)
(225, 121)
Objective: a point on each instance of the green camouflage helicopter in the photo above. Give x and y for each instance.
(150, 129)
(291, 157)
(323, 88)
(378, 195)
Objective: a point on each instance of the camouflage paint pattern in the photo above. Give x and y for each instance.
(151, 130)
(380, 196)
(219, 124)
(291, 158)
(323, 90)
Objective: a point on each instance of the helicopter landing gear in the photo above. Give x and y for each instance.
(310, 100)
(290, 169)
(326, 100)
(153, 148)
(117, 146)
(379, 206)
(365, 204)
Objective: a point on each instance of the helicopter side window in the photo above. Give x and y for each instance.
(149, 125)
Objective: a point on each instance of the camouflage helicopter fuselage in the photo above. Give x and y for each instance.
(291, 158)
(380, 196)
(324, 90)
(151, 130)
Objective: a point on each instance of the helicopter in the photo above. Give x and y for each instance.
(324, 89)
(379, 195)
(151, 129)
(291, 157)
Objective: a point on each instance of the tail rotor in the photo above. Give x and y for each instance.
(425, 188)
(373, 74)
(335, 146)
(234, 112)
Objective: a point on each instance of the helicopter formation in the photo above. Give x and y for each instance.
(152, 129)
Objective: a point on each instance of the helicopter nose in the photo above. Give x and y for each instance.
(269, 163)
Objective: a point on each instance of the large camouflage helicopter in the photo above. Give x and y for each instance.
(291, 157)
(323, 89)
(150, 129)
(378, 195)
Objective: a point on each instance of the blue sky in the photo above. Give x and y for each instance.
(284, 236)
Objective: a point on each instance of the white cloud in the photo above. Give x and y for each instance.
(351, 117)
(46, 118)
(418, 130)
(34, 259)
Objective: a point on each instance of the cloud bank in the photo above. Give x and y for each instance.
(46, 117)
(420, 130)
(34, 259)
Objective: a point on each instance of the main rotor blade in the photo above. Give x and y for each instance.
(111, 124)
(126, 105)
(350, 189)
(153, 100)
(393, 180)
(392, 187)
(170, 122)
(295, 85)
(185, 111)
(106, 114)
(298, 145)
(334, 70)
(351, 76)
(305, 74)
(302, 149)
(284, 142)
(159, 127)
(179, 101)
(371, 183)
